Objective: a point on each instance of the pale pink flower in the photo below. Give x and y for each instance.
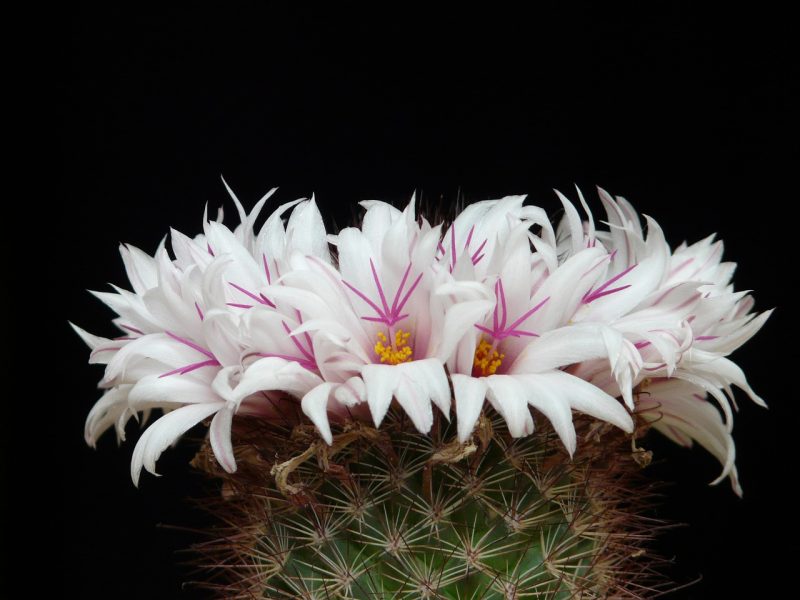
(183, 350)
(374, 327)
(513, 312)
(509, 333)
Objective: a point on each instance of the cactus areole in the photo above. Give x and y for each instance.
(417, 410)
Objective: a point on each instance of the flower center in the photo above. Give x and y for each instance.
(487, 359)
(398, 351)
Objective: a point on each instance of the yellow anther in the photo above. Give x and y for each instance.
(487, 359)
(396, 353)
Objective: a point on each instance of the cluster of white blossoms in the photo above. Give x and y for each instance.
(497, 306)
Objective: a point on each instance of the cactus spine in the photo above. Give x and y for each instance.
(393, 513)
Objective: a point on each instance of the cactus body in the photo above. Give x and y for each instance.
(393, 513)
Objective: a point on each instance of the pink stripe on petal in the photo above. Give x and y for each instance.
(380, 287)
(607, 257)
(474, 254)
(519, 332)
(377, 320)
(469, 237)
(247, 293)
(524, 317)
(190, 344)
(131, 328)
(266, 268)
(598, 294)
(681, 266)
(192, 367)
(495, 317)
(301, 361)
(296, 342)
(453, 246)
(108, 349)
(408, 295)
(306, 334)
(267, 301)
(400, 288)
(365, 298)
(504, 305)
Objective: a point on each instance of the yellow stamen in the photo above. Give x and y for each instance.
(397, 352)
(487, 359)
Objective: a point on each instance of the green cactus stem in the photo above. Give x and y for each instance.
(392, 513)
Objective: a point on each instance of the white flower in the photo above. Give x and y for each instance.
(184, 351)
(375, 330)
(681, 412)
(683, 328)
(511, 348)
(602, 322)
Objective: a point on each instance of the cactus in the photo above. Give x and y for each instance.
(449, 339)
(393, 513)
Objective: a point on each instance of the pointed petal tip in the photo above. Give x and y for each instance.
(628, 425)
(136, 473)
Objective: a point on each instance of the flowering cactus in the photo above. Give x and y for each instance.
(473, 389)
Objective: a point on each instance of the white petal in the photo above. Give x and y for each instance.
(141, 268)
(305, 231)
(93, 341)
(470, 392)
(429, 374)
(412, 397)
(726, 344)
(733, 374)
(164, 432)
(565, 346)
(589, 399)
(567, 286)
(509, 399)
(680, 411)
(460, 319)
(111, 409)
(222, 336)
(572, 223)
(156, 391)
(553, 404)
(152, 354)
(275, 374)
(188, 251)
(220, 436)
(315, 407)
(351, 392)
(354, 252)
(377, 221)
(712, 386)
(239, 207)
(381, 382)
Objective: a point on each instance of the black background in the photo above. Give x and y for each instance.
(685, 114)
